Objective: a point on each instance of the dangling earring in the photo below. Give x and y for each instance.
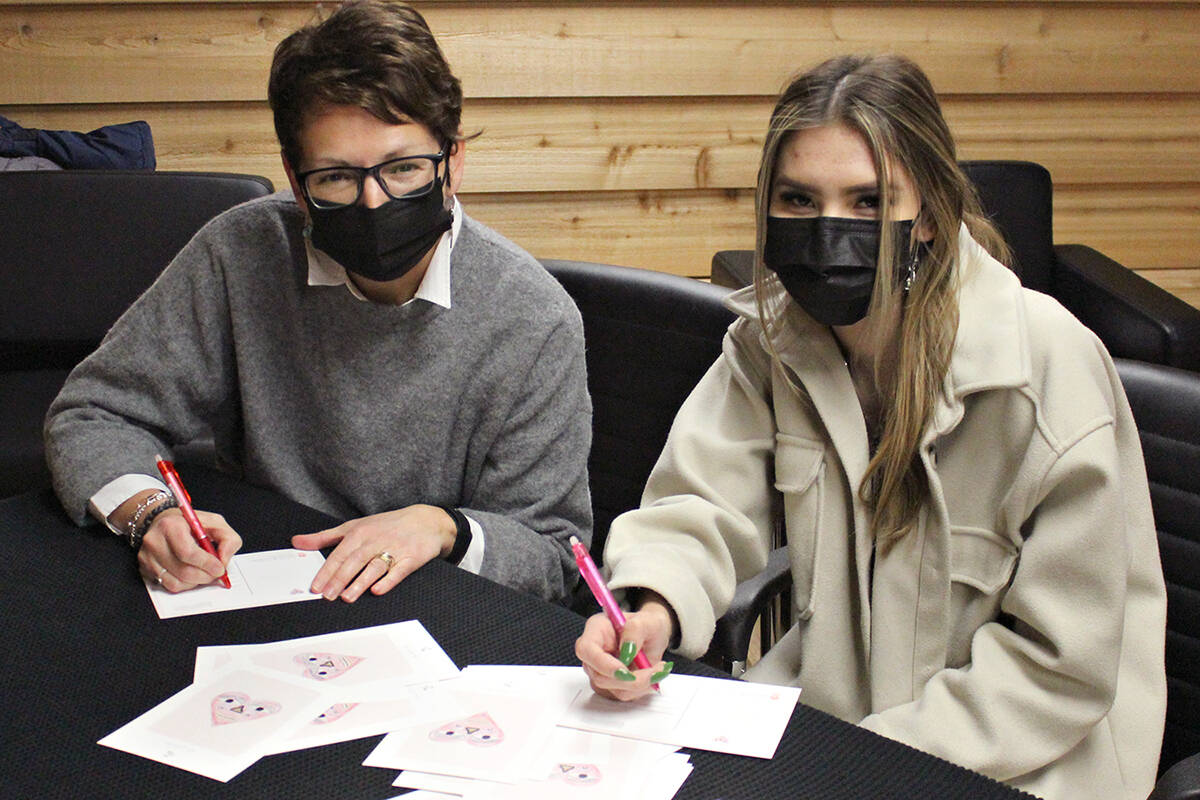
(910, 274)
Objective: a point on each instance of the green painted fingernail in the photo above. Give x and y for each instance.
(628, 653)
(624, 675)
(664, 672)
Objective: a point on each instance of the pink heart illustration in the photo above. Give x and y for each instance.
(237, 707)
(325, 666)
(478, 729)
(578, 773)
(333, 713)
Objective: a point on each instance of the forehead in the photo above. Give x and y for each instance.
(828, 148)
(833, 156)
(334, 135)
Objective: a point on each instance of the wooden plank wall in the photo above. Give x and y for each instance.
(629, 132)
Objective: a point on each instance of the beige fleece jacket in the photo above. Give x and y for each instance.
(1018, 631)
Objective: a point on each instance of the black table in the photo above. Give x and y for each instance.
(87, 653)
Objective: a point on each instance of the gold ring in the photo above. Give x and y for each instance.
(387, 558)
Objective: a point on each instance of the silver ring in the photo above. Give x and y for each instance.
(158, 577)
(388, 559)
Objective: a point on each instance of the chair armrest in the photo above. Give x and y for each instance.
(1132, 316)
(731, 641)
(1180, 782)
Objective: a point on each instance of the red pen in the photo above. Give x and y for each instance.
(587, 568)
(184, 499)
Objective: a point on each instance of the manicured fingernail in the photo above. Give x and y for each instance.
(628, 653)
(664, 672)
(624, 675)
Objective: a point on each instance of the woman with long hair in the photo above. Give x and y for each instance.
(949, 457)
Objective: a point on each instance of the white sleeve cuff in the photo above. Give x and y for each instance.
(118, 490)
(473, 559)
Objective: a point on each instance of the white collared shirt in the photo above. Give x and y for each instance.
(323, 270)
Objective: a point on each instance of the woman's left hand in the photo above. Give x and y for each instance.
(378, 551)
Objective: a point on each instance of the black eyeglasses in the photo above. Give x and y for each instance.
(400, 178)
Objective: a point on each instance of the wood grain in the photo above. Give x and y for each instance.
(605, 144)
(629, 131)
(221, 51)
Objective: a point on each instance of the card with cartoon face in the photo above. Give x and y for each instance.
(581, 765)
(356, 665)
(222, 725)
(343, 721)
(496, 736)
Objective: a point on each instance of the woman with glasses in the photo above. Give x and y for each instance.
(359, 344)
(949, 456)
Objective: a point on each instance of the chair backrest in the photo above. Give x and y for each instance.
(1166, 407)
(1015, 195)
(80, 245)
(649, 337)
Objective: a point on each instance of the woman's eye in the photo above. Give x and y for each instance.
(399, 168)
(795, 199)
(868, 201)
(333, 178)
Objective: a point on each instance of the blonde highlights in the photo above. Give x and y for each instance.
(889, 101)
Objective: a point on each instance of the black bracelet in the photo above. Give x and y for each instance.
(462, 534)
(138, 531)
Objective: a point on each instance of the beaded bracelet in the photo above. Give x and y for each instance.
(138, 528)
(149, 502)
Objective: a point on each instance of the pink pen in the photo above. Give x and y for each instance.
(587, 568)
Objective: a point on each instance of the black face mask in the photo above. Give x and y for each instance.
(828, 264)
(382, 243)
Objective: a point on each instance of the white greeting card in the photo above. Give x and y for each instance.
(266, 578)
(221, 726)
(356, 665)
(706, 713)
(343, 721)
(579, 765)
(496, 737)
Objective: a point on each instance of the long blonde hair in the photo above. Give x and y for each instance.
(890, 102)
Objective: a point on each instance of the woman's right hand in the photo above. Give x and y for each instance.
(170, 555)
(606, 660)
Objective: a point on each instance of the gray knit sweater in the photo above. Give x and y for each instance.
(350, 407)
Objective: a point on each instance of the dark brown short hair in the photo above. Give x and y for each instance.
(378, 55)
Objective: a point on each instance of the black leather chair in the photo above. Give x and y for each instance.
(1166, 406)
(80, 246)
(1132, 316)
(650, 337)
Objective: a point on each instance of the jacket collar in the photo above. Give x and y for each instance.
(991, 346)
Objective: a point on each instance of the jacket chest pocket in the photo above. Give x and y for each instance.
(981, 559)
(981, 567)
(799, 476)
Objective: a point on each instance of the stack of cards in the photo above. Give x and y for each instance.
(505, 745)
(247, 701)
(487, 732)
(534, 732)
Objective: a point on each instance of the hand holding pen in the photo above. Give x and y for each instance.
(596, 646)
(197, 529)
